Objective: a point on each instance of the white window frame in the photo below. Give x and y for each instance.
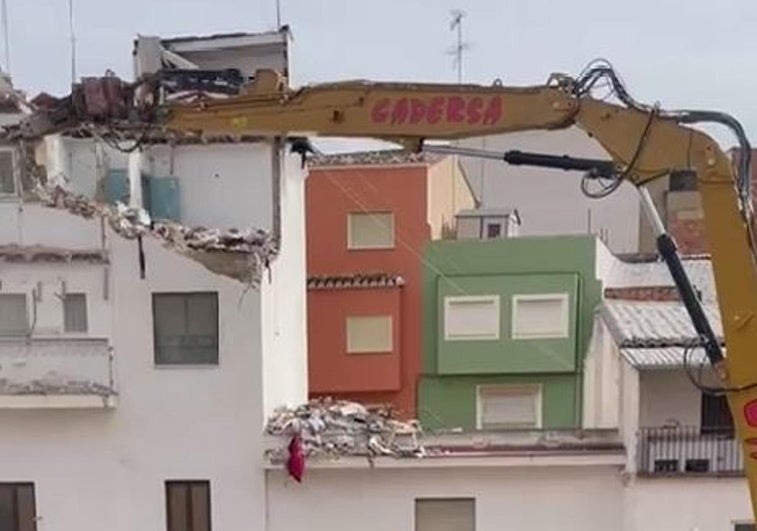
(535, 388)
(450, 300)
(350, 350)
(16, 184)
(353, 247)
(565, 324)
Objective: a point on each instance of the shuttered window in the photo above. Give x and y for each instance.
(13, 314)
(471, 318)
(75, 312)
(188, 505)
(7, 175)
(540, 316)
(367, 334)
(17, 507)
(371, 230)
(509, 407)
(445, 514)
(185, 328)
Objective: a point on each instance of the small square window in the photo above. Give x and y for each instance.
(13, 314)
(75, 312)
(540, 316)
(493, 230)
(471, 318)
(511, 407)
(371, 230)
(369, 334)
(185, 328)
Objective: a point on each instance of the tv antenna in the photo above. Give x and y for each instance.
(6, 37)
(456, 24)
(72, 37)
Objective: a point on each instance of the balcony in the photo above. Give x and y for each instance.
(688, 451)
(56, 373)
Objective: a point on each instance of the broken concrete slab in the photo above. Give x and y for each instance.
(239, 254)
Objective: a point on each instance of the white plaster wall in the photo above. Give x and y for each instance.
(221, 185)
(668, 396)
(33, 224)
(629, 412)
(284, 299)
(550, 201)
(601, 381)
(99, 468)
(523, 499)
(691, 504)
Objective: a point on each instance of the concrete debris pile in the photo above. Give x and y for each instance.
(239, 254)
(340, 428)
(57, 387)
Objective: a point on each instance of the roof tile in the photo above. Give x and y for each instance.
(355, 280)
(654, 324)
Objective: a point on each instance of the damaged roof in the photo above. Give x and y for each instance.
(654, 324)
(630, 272)
(379, 157)
(355, 280)
(238, 254)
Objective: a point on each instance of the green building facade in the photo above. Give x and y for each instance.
(507, 324)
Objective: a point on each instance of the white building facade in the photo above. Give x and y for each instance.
(136, 374)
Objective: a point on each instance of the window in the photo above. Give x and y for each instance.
(374, 230)
(13, 315)
(369, 334)
(17, 507)
(185, 328)
(7, 175)
(514, 407)
(188, 505)
(540, 316)
(683, 181)
(493, 230)
(75, 312)
(715, 415)
(743, 526)
(471, 318)
(445, 514)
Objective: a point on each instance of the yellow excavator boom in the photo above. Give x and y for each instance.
(644, 143)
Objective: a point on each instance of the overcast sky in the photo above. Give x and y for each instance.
(682, 53)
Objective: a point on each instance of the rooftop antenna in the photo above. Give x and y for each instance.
(6, 37)
(456, 24)
(73, 40)
(278, 14)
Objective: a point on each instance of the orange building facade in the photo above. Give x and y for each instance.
(368, 217)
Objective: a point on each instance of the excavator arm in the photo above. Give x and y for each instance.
(643, 143)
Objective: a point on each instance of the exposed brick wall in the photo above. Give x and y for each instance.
(689, 235)
(643, 293)
(689, 232)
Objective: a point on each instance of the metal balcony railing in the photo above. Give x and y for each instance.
(666, 451)
(56, 366)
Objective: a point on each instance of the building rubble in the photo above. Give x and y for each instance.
(338, 428)
(239, 254)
